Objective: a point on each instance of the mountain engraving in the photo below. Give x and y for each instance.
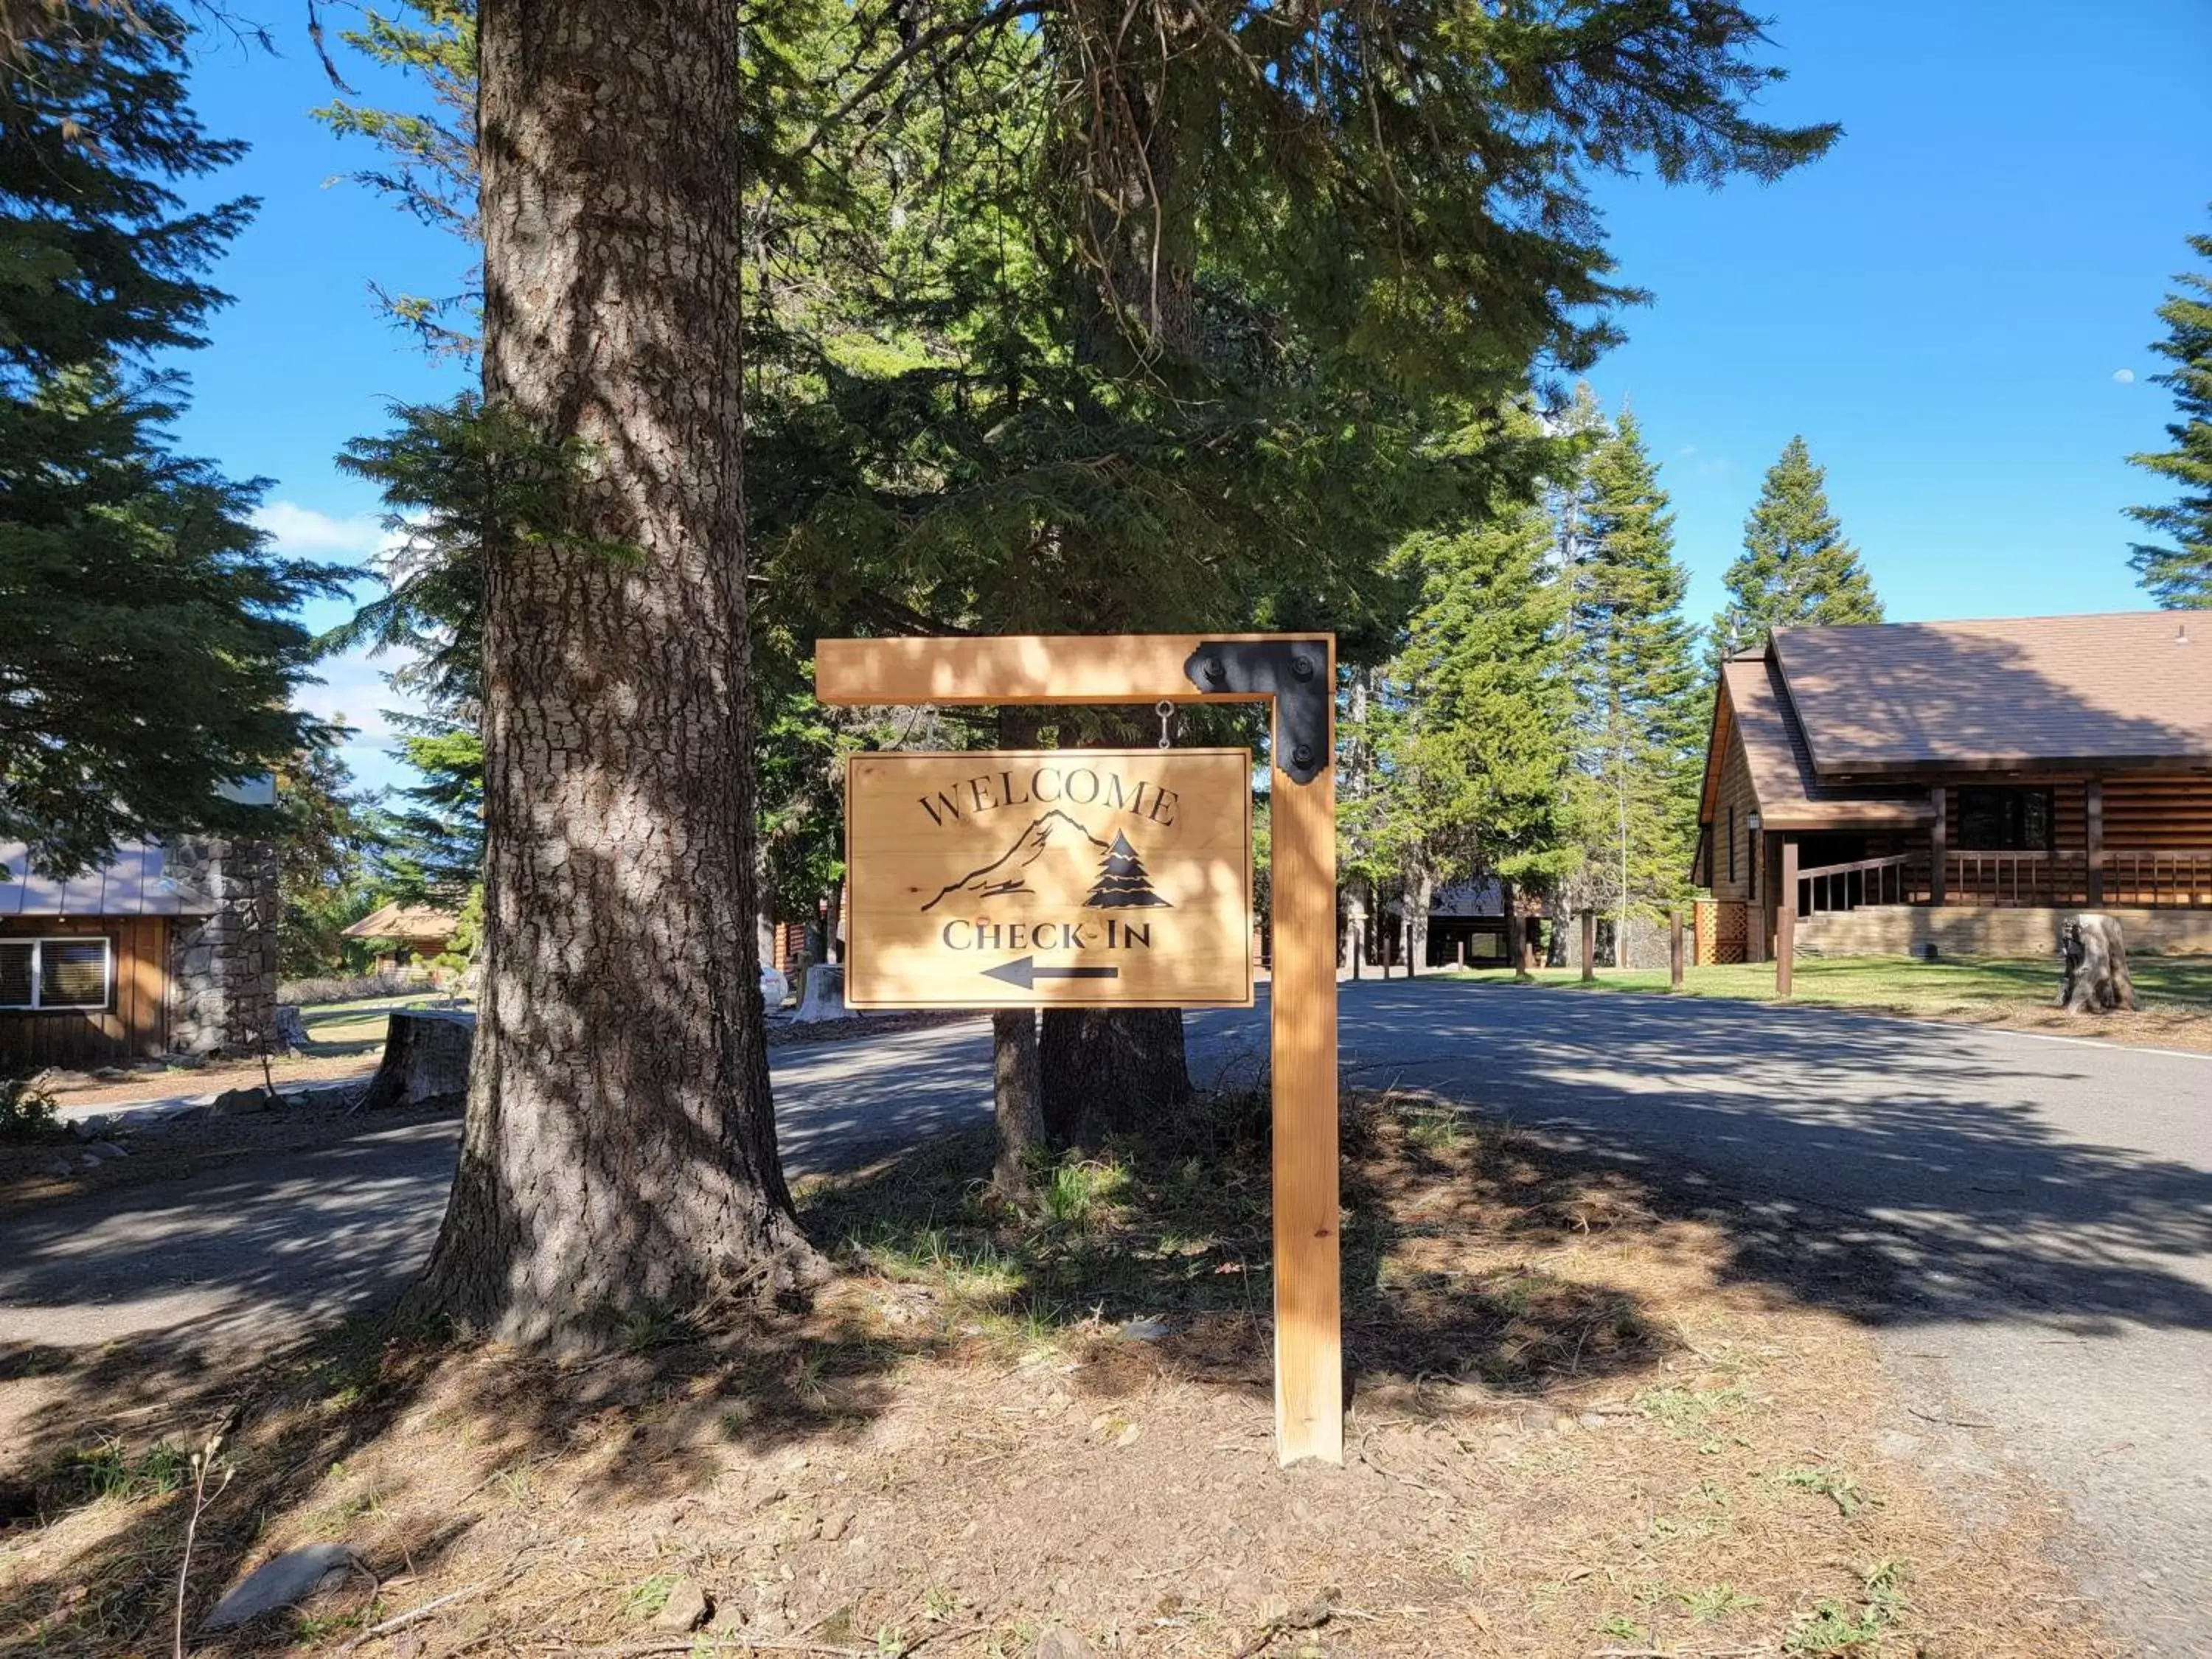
(1122, 884)
(1008, 873)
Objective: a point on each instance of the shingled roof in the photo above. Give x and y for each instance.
(2130, 688)
(416, 922)
(1791, 795)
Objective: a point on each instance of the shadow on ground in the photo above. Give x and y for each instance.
(1890, 1170)
(1172, 1228)
(1899, 1170)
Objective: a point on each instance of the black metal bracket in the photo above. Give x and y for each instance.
(1295, 673)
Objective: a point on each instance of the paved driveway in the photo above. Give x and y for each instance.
(2027, 1221)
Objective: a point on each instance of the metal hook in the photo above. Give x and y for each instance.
(1166, 712)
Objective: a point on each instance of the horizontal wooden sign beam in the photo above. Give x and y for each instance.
(1026, 668)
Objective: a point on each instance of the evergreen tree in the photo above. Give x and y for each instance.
(1795, 570)
(1639, 690)
(1472, 724)
(2178, 572)
(1123, 883)
(146, 649)
(435, 851)
(329, 836)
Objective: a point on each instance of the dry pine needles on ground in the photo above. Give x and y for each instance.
(1579, 1426)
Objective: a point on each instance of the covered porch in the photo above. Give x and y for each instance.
(2043, 845)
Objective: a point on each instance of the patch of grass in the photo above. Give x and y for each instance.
(1832, 1627)
(107, 1471)
(1621, 1628)
(1716, 1601)
(1080, 1194)
(643, 1328)
(1839, 1488)
(1690, 1412)
(648, 1597)
(1434, 1130)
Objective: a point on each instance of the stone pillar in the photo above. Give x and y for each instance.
(222, 964)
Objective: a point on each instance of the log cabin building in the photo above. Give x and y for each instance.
(401, 935)
(1905, 787)
(167, 948)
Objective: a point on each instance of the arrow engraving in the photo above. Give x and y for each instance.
(1024, 972)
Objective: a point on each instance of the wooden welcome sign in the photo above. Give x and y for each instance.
(965, 891)
(1057, 878)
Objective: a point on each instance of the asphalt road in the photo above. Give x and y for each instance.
(2025, 1222)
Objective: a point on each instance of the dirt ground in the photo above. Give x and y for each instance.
(86, 1090)
(2150, 1028)
(1584, 1422)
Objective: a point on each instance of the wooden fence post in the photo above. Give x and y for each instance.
(1785, 920)
(1938, 850)
(1674, 948)
(1590, 946)
(2093, 805)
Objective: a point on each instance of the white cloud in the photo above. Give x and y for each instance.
(353, 691)
(306, 533)
(2124, 376)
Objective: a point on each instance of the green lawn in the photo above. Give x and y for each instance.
(333, 1027)
(1893, 982)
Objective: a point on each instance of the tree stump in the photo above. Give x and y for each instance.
(426, 1060)
(824, 995)
(2096, 956)
(291, 1029)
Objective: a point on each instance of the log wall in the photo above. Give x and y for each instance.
(135, 1024)
(2165, 813)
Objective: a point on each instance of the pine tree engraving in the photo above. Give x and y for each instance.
(1122, 884)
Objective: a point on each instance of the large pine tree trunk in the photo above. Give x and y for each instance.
(620, 1149)
(1110, 1071)
(1016, 1087)
(1107, 1070)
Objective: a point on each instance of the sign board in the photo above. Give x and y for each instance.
(1052, 878)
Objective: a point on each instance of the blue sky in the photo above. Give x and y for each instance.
(1946, 306)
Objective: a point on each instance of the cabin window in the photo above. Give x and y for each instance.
(56, 973)
(2008, 820)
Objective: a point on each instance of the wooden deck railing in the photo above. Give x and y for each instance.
(2158, 880)
(1901, 878)
(2013, 879)
(2131, 878)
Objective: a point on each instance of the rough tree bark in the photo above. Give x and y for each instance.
(426, 1061)
(620, 1146)
(1110, 1071)
(1017, 1086)
(2096, 978)
(1102, 1071)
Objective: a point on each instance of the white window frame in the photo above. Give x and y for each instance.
(106, 977)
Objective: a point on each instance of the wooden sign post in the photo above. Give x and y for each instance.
(1296, 676)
